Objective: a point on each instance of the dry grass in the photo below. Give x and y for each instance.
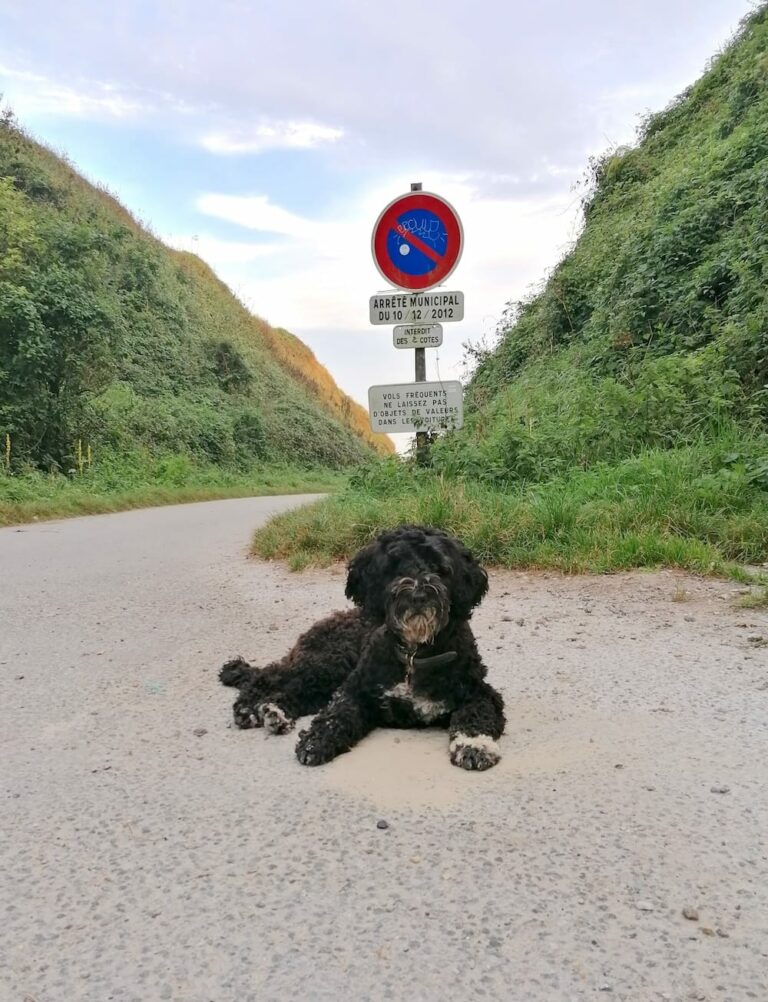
(301, 363)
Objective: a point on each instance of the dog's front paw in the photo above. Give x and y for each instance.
(311, 750)
(477, 752)
(275, 720)
(246, 715)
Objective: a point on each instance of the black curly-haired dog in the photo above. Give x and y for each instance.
(405, 657)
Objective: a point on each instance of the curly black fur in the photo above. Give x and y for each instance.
(378, 664)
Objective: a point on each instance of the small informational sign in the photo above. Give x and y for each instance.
(417, 241)
(404, 407)
(426, 336)
(413, 308)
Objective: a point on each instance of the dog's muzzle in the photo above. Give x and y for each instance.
(418, 609)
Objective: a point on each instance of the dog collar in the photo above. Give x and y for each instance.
(409, 657)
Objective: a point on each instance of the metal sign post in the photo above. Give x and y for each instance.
(422, 438)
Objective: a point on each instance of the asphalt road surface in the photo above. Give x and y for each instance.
(151, 852)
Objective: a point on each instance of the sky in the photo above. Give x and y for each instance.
(267, 135)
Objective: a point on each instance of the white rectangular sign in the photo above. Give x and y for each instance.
(416, 406)
(426, 336)
(416, 307)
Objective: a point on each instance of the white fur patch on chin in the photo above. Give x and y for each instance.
(276, 721)
(478, 751)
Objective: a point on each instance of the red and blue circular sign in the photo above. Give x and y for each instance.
(417, 241)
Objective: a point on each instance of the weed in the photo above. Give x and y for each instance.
(757, 599)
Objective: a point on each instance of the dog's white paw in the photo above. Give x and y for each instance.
(477, 752)
(246, 715)
(275, 720)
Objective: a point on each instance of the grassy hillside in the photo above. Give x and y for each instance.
(652, 331)
(621, 417)
(111, 341)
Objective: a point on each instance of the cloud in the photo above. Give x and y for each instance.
(30, 93)
(255, 212)
(512, 89)
(271, 136)
(222, 252)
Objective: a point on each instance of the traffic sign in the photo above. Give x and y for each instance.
(417, 241)
(426, 336)
(416, 406)
(416, 307)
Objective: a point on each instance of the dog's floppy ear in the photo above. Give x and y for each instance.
(359, 574)
(470, 583)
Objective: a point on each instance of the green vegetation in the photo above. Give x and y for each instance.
(111, 340)
(139, 481)
(698, 507)
(621, 419)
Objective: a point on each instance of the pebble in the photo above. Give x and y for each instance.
(199, 732)
(644, 906)
(382, 824)
(691, 913)
(757, 639)
(719, 789)
(605, 988)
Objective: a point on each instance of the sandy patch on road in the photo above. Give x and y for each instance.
(395, 769)
(403, 769)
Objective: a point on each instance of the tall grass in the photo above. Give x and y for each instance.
(680, 508)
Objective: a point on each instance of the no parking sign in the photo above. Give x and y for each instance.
(417, 241)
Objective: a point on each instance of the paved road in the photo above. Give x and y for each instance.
(151, 852)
